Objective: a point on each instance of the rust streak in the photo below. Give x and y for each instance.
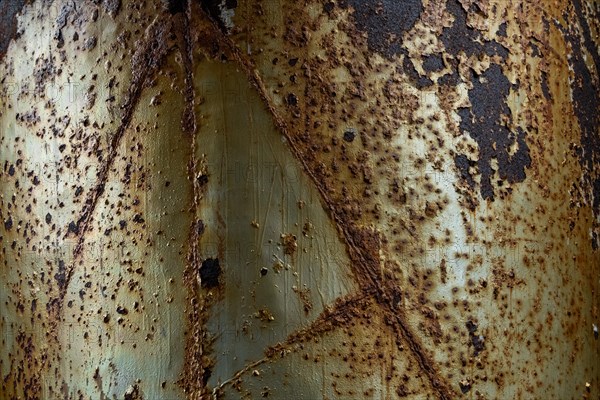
(193, 379)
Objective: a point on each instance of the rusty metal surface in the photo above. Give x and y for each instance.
(339, 199)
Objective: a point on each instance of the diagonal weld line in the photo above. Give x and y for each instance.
(363, 267)
(145, 62)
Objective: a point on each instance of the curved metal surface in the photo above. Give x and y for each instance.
(303, 200)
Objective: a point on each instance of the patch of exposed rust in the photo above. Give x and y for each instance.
(289, 243)
(433, 62)
(133, 393)
(385, 22)
(209, 272)
(463, 164)
(484, 120)
(544, 84)
(585, 87)
(61, 276)
(460, 37)
(9, 9)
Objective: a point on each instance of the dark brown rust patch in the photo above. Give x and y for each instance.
(61, 22)
(210, 271)
(8, 22)
(61, 276)
(432, 63)
(461, 37)
(545, 87)
(8, 223)
(463, 164)
(288, 241)
(385, 22)
(133, 393)
(477, 340)
(484, 120)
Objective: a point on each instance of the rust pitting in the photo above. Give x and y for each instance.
(586, 104)
(363, 244)
(145, 62)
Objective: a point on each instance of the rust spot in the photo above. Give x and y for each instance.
(465, 386)
(8, 223)
(122, 310)
(349, 135)
(463, 164)
(289, 243)
(477, 341)
(544, 84)
(133, 393)
(210, 271)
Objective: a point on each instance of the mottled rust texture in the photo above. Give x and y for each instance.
(452, 147)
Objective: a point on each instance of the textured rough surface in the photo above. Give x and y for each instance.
(299, 200)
